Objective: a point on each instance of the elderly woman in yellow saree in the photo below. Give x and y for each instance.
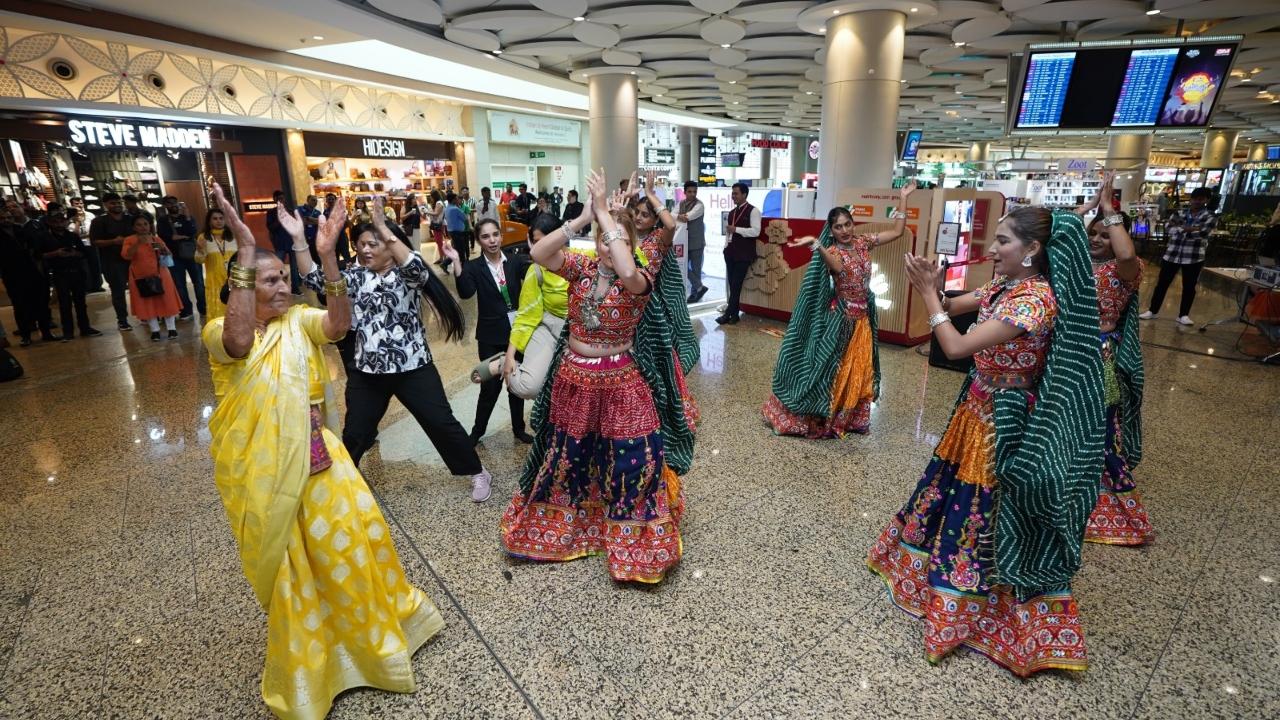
(313, 543)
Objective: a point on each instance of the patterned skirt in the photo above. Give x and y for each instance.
(937, 559)
(852, 392)
(1119, 518)
(603, 487)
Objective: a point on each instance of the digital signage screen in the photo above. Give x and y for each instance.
(911, 145)
(1172, 85)
(706, 160)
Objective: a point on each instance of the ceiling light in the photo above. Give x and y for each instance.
(633, 72)
(579, 19)
(724, 45)
(959, 44)
(808, 92)
(1153, 11)
(317, 37)
(658, 95)
(835, 12)
(822, 30)
(733, 82)
(497, 52)
(915, 9)
(735, 102)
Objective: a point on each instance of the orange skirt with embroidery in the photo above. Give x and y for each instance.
(852, 392)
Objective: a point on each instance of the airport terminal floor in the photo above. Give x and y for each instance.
(121, 593)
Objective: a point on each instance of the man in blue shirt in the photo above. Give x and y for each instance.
(455, 222)
(310, 214)
(178, 231)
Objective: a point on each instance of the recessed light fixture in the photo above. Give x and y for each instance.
(835, 12)
(1153, 11)
(497, 52)
(724, 45)
(915, 9)
(733, 82)
(658, 95)
(579, 19)
(735, 102)
(317, 37)
(822, 30)
(959, 44)
(633, 72)
(808, 92)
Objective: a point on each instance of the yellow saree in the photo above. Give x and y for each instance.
(315, 547)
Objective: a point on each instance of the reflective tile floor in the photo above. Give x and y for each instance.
(121, 594)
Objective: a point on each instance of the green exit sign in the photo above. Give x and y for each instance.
(535, 154)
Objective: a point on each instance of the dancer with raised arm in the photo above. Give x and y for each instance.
(391, 357)
(1119, 517)
(611, 429)
(985, 548)
(313, 543)
(828, 370)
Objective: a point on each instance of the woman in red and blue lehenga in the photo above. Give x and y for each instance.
(828, 370)
(612, 430)
(1119, 517)
(985, 548)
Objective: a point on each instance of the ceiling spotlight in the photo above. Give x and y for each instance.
(1153, 11)
(658, 95)
(733, 82)
(835, 12)
(959, 44)
(735, 102)
(317, 37)
(822, 30)
(579, 19)
(497, 52)
(633, 72)
(808, 92)
(724, 45)
(915, 9)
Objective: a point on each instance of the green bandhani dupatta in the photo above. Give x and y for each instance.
(664, 336)
(1131, 377)
(1048, 460)
(815, 341)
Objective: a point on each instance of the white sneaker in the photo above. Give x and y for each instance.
(1146, 315)
(480, 490)
(1185, 320)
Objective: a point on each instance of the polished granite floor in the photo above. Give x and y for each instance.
(121, 593)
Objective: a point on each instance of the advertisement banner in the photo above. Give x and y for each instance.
(505, 127)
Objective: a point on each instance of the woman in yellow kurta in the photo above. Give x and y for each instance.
(313, 543)
(214, 248)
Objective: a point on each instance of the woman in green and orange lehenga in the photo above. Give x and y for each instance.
(828, 370)
(985, 548)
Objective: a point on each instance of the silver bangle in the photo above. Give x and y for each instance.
(611, 236)
(937, 319)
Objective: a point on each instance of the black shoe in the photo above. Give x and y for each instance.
(524, 437)
(173, 334)
(66, 337)
(124, 327)
(90, 332)
(24, 342)
(698, 295)
(733, 320)
(187, 315)
(155, 336)
(48, 337)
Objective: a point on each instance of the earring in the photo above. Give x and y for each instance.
(1026, 261)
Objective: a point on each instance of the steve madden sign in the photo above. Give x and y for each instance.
(158, 137)
(383, 147)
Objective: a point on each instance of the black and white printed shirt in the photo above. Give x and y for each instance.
(386, 315)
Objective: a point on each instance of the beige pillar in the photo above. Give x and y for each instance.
(1257, 152)
(295, 155)
(860, 101)
(1128, 156)
(688, 154)
(980, 152)
(615, 139)
(1219, 148)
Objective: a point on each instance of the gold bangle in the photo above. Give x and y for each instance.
(241, 283)
(335, 288)
(240, 271)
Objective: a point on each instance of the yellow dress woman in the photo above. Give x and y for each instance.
(214, 248)
(313, 543)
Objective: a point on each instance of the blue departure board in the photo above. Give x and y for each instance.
(1043, 93)
(1145, 81)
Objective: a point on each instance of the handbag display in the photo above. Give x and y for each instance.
(150, 286)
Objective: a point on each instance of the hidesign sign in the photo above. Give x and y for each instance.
(383, 147)
(157, 137)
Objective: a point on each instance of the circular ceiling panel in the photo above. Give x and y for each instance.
(912, 70)
(981, 28)
(546, 48)
(1014, 6)
(1081, 10)
(939, 55)
(525, 20)
(820, 57)
(727, 74)
(1249, 26)
(596, 34)
(1116, 27)
(816, 74)
(618, 57)
(996, 75)
(972, 86)
(421, 11)
(474, 39)
(722, 30)
(522, 60)
(683, 67)
(1016, 41)
(649, 15)
(727, 56)
(715, 7)
(664, 45)
(953, 10)
(663, 99)
(781, 43)
(655, 89)
(1210, 9)
(563, 8)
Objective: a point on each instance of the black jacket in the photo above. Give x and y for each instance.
(492, 326)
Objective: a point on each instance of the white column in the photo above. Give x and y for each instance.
(688, 154)
(1219, 148)
(860, 102)
(980, 152)
(615, 139)
(1128, 156)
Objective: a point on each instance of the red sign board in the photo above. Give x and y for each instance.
(771, 144)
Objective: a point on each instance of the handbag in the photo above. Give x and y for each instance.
(150, 286)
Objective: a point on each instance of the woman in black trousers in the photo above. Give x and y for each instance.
(391, 357)
(494, 278)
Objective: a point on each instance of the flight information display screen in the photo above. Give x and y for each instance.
(1123, 87)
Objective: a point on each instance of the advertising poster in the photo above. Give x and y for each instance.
(1198, 77)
